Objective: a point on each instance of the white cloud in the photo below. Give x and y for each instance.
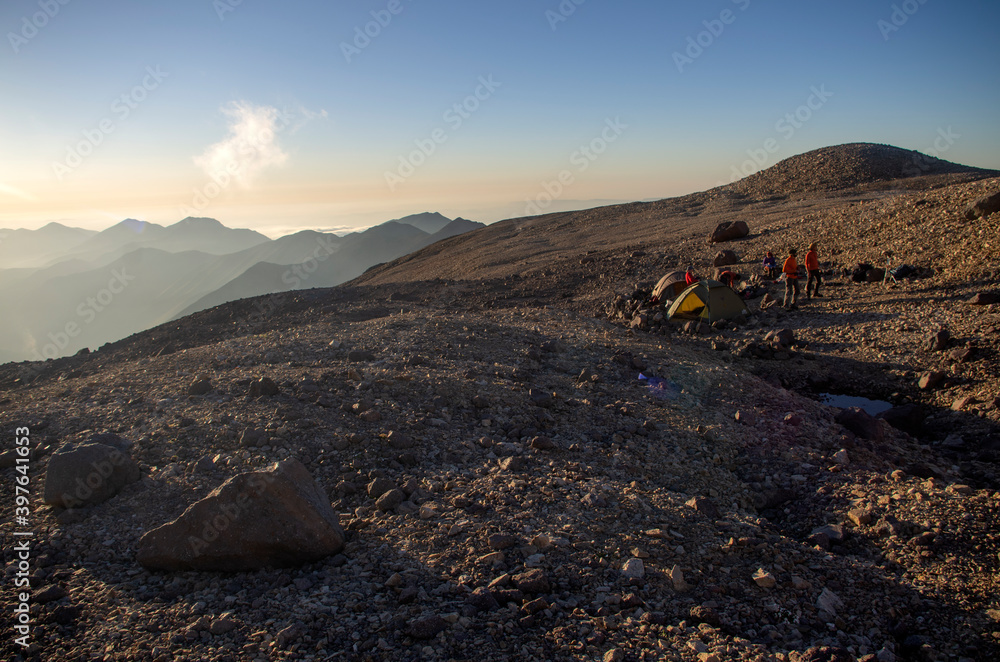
(251, 146)
(16, 192)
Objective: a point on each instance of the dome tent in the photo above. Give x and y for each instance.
(670, 286)
(707, 300)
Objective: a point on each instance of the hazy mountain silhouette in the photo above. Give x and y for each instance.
(358, 252)
(96, 287)
(429, 222)
(33, 248)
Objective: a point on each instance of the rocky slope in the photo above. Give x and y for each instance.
(569, 487)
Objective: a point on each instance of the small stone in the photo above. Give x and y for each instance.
(263, 387)
(200, 386)
(633, 569)
(287, 636)
(764, 579)
(677, 579)
(493, 559)
(427, 627)
(222, 625)
(614, 655)
(828, 602)
(704, 506)
(360, 355)
(800, 584)
(379, 486)
(532, 581)
(841, 457)
(702, 614)
(482, 599)
(930, 379)
(48, 594)
(513, 463)
(390, 500)
(860, 516)
(542, 443)
(540, 398)
(501, 541)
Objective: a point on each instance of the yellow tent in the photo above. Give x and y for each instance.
(707, 300)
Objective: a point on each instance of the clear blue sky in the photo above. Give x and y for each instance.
(218, 72)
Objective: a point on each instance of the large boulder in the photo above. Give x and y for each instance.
(983, 207)
(277, 517)
(725, 258)
(729, 230)
(88, 474)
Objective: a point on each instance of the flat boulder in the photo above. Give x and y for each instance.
(277, 517)
(87, 474)
(729, 231)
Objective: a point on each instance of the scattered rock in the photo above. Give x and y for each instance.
(930, 379)
(704, 506)
(263, 387)
(937, 340)
(531, 581)
(764, 579)
(200, 386)
(427, 627)
(633, 569)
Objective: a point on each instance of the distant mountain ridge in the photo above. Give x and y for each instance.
(90, 287)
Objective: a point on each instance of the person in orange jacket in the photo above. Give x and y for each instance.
(812, 268)
(790, 269)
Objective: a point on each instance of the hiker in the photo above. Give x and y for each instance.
(770, 266)
(689, 277)
(812, 268)
(790, 269)
(728, 278)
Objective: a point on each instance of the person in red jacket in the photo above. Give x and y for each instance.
(790, 270)
(689, 277)
(812, 268)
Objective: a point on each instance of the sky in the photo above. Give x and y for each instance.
(340, 115)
